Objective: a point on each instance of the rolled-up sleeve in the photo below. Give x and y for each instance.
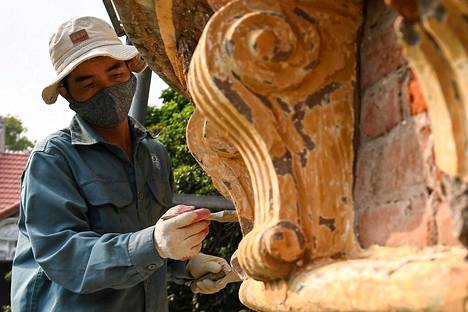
(63, 244)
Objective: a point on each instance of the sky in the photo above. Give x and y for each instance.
(25, 29)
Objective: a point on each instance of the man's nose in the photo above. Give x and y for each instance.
(104, 82)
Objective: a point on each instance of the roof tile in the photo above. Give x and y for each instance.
(11, 168)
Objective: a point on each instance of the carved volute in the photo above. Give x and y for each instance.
(277, 79)
(274, 85)
(435, 41)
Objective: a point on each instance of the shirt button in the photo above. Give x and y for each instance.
(141, 195)
(152, 267)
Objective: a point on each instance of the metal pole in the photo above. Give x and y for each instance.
(113, 17)
(138, 111)
(140, 100)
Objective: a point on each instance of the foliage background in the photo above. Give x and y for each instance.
(168, 123)
(15, 139)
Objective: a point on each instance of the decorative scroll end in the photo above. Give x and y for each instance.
(271, 79)
(436, 48)
(270, 252)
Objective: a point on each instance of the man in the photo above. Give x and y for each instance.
(92, 196)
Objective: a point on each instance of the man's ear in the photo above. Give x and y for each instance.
(136, 64)
(64, 92)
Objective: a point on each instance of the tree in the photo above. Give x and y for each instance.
(168, 124)
(15, 140)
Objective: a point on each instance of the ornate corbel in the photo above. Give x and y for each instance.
(165, 32)
(223, 163)
(274, 85)
(277, 80)
(435, 41)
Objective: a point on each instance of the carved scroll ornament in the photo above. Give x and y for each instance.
(435, 40)
(274, 83)
(277, 79)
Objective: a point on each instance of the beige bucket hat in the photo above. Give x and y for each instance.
(78, 40)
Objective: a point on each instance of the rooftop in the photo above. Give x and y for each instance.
(11, 167)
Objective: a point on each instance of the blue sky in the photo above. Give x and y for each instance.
(25, 29)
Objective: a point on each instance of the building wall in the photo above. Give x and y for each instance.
(399, 198)
(2, 135)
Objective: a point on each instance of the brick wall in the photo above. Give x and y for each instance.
(399, 197)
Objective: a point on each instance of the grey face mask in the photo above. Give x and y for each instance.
(109, 107)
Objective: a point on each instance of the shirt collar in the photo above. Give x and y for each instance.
(83, 134)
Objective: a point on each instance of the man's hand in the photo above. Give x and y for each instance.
(179, 233)
(202, 265)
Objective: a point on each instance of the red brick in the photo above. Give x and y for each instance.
(431, 172)
(391, 167)
(396, 223)
(381, 105)
(445, 228)
(416, 101)
(381, 53)
(379, 16)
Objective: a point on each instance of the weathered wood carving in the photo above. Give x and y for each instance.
(277, 79)
(433, 35)
(224, 164)
(274, 82)
(166, 43)
(166, 33)
(435, 40)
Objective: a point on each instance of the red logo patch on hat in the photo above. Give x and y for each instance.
(79, 36)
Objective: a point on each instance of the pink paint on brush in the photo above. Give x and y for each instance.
(201, 213)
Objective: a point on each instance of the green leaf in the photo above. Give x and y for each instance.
(15, 140)
(168, 124)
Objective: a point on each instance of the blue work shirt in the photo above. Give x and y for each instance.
(87, 216)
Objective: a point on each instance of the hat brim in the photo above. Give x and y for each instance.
(119, 52)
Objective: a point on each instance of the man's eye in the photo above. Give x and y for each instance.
(117, 75)
(89, 85)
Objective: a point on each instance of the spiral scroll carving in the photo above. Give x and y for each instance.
(270, 54)
(276, 79)
(275, 246)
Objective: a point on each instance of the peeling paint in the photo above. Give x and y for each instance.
(312, 64)
(344, 199)
(284, 106)
(329, 223)
(288, 225)
(234, 98)
(301, 13)
(322, 95)
(298, 119)
(283, 164)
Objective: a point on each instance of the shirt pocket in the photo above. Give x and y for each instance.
(162, 194)
(110, 206)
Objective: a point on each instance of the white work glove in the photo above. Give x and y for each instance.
(202, 265)
(179, 233)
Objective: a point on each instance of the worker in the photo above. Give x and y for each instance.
(96, 231)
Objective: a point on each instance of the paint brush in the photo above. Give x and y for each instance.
(220, 216)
